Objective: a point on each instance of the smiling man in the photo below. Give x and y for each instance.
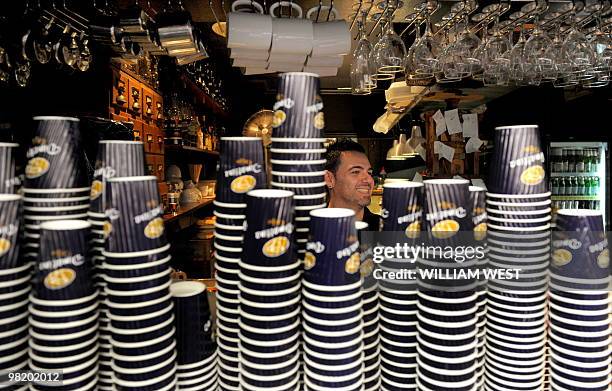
(348, 178)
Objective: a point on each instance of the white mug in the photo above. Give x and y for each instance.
(292, 36)
(255, 71)
(247, 62)
(249, 31)
(249, 54)
(325, 61)
(331, 38)
(322, 71)
(296, 9)
(324, 10)
(252, 6)
(285, 67)
(287, 58)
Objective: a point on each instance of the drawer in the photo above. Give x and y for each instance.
(160, 167)
(158, 109)
(120, 91)
(138, 131)
(153, 139)
(135, 99)
(148, 105)
(151, 163)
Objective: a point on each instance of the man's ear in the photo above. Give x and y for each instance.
(330, 179)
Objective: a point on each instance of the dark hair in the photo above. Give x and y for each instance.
(332, 156)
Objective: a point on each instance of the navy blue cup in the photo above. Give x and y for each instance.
(137, 258)
(9, 182)
(268, 240)
(193, 323)
(64, 270)
(301, 190)
(402, 208)
(518, 163)
(332, 256)
(298, 108)
(55, 157)
(144, 349)
(135, 215)
(129, 364)
(9, 230)
(115, 158)
(163, 330)
(447, 210)
(298, 177)
(297, 143)
(241, 168)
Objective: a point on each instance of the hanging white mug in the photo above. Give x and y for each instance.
(323, 11)
(251, 31)
(291, 35)
(331, 38)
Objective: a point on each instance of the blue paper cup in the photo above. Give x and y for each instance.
(402, 208)
(298, 165)
(332, 256)
(447, 211)
(297, 143)
(115, 158)
(518, 164)
(9, 182)
(55, 157)
(193, 321)
(241, 168)
(268, 239)
(63, 271)
(298, 108)
(9, 230)
(298, 177)
(134, 214)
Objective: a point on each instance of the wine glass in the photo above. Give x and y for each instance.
(497, 50)
(577, 49)
(602, 49)
(465, 48)
(426, 52)
(536, 56)
(516, 58)
(391, 51)
(363, 67)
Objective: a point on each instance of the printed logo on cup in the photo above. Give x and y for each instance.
(480, 231)
(276, 245)
(603, 259)
(317, 107)
(105, 172)
(16, 181)
(448, 227)
(319, 120)
(533, 175)
(96, 190)
(41, 146)
(36, 167)
(353, 264)
(317, 247)
(310, 260)
(283, 103)
(366, 268)
(5, 246)
(561, 257)
(107, 228)
(279, 118)
(59, 278)
(155, 228)
(413, 230)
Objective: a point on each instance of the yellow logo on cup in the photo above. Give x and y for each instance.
(603, 259)
(413, 230)
(279, 118)
(353, 263)
(532, 149)
(446, 205)
(480, 231)
(243, 184)
(155, 228)
(367, 267)
(5, 246)
(445, 229)
(275, 247)
(36, 167)
(319, 120)
(561, 257)
(59, 278)
(478, 211)
(534, 175)
(310, 260)
(107, 228)
(96, 190)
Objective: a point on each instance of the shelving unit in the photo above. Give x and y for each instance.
(202, 97)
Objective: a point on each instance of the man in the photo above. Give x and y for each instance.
(349, 181)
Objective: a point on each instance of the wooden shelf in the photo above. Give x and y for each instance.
(192, 152)
(187, 209)
(575, 198)
(202, 97)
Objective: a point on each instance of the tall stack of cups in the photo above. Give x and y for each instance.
(579, 332)
(402, 220)
(479, 218)
(332, 304)
(15, 275)
(370, 306)
(115, 158)
(241, 169)
(269, 313)
(137, 274)
(64, 307)
(297, 147)
(196, 352)
(447, 354)
(56, 183)
(518, 238)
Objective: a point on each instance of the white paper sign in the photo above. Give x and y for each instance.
(479, 182)
(453, 124)
(446, 152)
(417, 177)
(437, 146)
(422, 152)
(473, 145)
(440, 122)
(470, 125)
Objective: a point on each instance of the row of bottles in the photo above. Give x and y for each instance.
(573, 204)
(575, 186)
(574, 160)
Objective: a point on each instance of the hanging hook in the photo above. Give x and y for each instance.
(356, 15)
(290, 9)
(212, 9)
(319, 9)
(223, 8)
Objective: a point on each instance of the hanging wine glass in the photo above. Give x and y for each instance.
(465, 48)
(602, 48)
(516, 58)
(450, 66)
(536, 56)
(477, 68)
(426, 52)
(391, 50)
(577, 49)
(363, 67)
(497, 70)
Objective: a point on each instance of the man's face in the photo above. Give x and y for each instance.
(352, 182)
